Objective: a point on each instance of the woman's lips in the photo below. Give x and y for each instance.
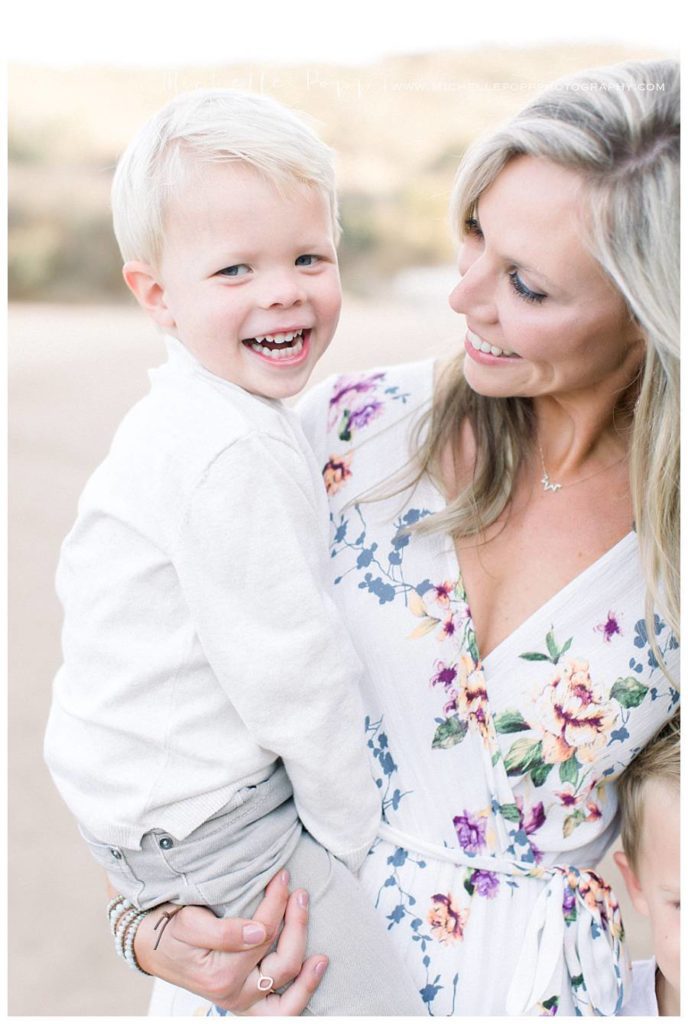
(483, 351)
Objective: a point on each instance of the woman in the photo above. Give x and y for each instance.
(505, 696)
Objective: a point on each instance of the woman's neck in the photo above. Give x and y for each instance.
(574, 437)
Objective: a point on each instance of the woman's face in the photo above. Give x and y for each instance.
(542, 317)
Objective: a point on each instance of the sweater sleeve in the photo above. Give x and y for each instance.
(252, 561)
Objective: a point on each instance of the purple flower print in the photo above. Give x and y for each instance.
(362, 416)
(354, 385)
(445, 675)
(535, 819)
(486, 883)
(470, 832)
(609, 628)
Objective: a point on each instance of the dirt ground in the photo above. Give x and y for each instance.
(73, 373)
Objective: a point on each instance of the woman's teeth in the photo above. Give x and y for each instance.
(484, 346)
(278, 346)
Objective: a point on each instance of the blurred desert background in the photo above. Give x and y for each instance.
(79, 351)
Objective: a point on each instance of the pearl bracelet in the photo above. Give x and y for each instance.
(124, 919)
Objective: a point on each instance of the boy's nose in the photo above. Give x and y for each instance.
(283, 289)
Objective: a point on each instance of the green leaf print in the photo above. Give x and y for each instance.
(510, 812)
(449, 732)
(629, 692)
(473, 648)
(568, 771)
(540, 772)
(554, 653)
(523, 757)
(552, 647)
(572, 822)
(510, 721)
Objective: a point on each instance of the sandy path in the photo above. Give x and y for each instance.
(73, 373)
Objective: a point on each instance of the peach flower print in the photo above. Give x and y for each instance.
(446, 919)
(573, 717)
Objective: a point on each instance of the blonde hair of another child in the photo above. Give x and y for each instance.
(659, 761)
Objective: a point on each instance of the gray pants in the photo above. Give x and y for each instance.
(226, 863)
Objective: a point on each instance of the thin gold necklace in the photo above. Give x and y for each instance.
(550, 485)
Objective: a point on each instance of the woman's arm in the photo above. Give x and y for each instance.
(217, 958)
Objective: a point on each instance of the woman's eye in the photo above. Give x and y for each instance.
(523, 290)
(473, 227)
(308, 260)
(236, 270)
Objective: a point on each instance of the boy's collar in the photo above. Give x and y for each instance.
(179, 356)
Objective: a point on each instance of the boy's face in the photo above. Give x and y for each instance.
(654, 885)
(248, 278)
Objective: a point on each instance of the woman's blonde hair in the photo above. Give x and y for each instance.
(618, 127)
(211, 125)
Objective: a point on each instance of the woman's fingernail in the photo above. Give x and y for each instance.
(284, 877)
(253, 933)
(320, 968)
(302, 899)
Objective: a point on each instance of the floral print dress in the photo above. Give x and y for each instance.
(497, 774)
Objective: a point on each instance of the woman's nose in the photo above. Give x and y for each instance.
(474, 293)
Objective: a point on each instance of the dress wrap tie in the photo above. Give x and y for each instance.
(576, 918)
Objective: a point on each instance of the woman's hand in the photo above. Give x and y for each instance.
(217, 958)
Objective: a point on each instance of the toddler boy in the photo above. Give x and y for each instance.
(206, 672)
(650, 865)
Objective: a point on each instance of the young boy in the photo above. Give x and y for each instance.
(650, 865)
(203, 654)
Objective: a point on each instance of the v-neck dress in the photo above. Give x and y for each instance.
(497, 775)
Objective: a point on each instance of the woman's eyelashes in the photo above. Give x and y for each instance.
(523, 290)
(473, 228)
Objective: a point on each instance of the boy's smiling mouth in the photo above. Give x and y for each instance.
(279, 347)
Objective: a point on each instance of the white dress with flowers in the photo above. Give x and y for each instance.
(497, 774)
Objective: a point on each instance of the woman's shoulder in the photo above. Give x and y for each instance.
(351, 407)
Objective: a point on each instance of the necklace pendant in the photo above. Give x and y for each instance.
(547, 484)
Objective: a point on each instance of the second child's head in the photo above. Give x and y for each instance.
(650, 836)
(225, 212)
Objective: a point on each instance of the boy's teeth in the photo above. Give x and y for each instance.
(276, 353)
(279, 339)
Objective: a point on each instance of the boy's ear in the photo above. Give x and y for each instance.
(632, 884)
(142, 280)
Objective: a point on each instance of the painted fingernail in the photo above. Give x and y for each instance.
(320, 968)
(253, 933)
(284, 877)
(302, 899)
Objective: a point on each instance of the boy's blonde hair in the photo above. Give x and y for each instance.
(211, 125)
(659, 761)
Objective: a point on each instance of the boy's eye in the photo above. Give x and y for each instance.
(236, 270)
(308, 260)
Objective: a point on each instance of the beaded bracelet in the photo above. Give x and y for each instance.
(124, 919)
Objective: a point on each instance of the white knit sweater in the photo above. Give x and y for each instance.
(200, 639)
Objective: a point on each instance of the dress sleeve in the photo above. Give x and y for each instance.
(252, 562)
(313, 410)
